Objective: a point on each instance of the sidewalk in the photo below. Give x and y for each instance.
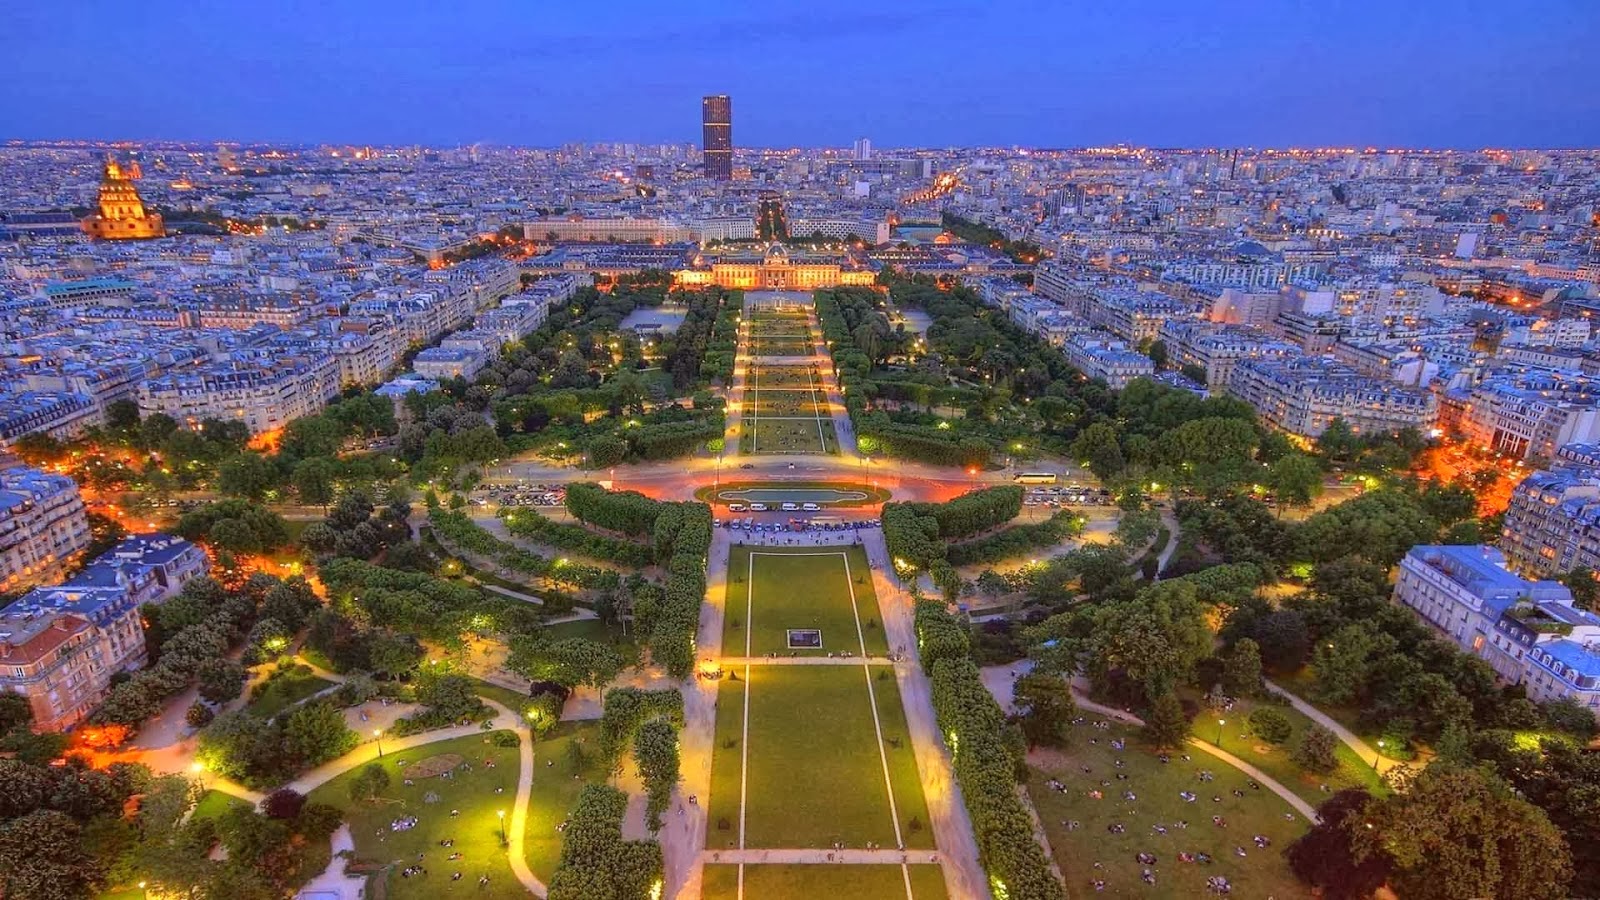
(1368, 755)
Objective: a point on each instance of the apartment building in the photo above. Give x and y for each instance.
(61, 646)
(1103, 356)
(264, 394)
(43, 527)
(1302, 395)
(1552, 524)
(1532, 415)
(1527, 631)
(1218, 348)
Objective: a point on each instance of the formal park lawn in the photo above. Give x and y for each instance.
(768, 402)
(783, 378)
(799, 589)
(808, 882)
(1156, 787)
(808, 434)
(476, 831)
(815, 774)
(284, 688)
(1275, 760)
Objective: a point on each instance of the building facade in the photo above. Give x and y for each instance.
(716, 132)
(43, 527)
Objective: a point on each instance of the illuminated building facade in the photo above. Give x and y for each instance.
(122, 215)
(716, 124)
(776, 269)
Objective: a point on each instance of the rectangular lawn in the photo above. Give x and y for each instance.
(801, 589)
(806, 882)
(815, 774)
(789, 403)
(800, 435)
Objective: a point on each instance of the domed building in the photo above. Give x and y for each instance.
(122, 215)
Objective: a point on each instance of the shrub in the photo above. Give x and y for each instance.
(1270, 725)
(1315, 752)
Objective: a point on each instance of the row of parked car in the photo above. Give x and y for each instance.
(521, 494)
(1071, 495)
(752, 525)
(764, 507)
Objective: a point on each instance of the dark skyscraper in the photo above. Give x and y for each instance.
(716, 119)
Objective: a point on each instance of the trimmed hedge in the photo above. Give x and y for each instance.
(1015, 541)
(580, 540)
(681, 536)
(987, 753)
(459, 529)
(917, 532)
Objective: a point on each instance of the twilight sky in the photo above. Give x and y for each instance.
(1437, 73)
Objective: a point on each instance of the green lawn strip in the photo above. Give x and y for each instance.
(1156, 787)
(554, 790)
(815, 776)
(798, 589)
(722, 811)
(1303, 685)
(476, 831)
(808, 882)
(508, 697)
(790, 402)
(287, 689)
(213, 804)
(875, 495)
(794, 436)
(902, 759)
(1275, 761)
(595, 630)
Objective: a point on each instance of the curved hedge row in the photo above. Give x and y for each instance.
(1016, 541)
(917, 532)
(986, 750)
(576, 538)
(458, 529)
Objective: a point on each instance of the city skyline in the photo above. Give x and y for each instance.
(1434, 75)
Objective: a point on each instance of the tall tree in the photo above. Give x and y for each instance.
(1044, 708)
(1325, 856)
(1457, 832)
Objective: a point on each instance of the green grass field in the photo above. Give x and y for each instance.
(807, 882)
(1275, 761)
(782, 378)
(476, 831)
(793, 436)
(782, 346)
(213, 804)
(555, 790)
(1156, 786)
(815, 774)
(284, 688)
(788, 403)
(829, 576)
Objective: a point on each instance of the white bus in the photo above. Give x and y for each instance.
(1036, 478)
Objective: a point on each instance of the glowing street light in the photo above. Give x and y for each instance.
(1378, 755)
(502, 816)
(377, 733)
(1220, 723)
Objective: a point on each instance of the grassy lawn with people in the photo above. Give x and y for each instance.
(815, 775)
(554, 790)
(807, 882)
(1275, 759)
(1144, 807)
(808, 588)
(792, 436)
(462, 808)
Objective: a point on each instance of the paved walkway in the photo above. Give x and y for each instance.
(1368, 755)
(964, 877)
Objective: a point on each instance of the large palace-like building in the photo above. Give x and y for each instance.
(122, 214)
(776, 269)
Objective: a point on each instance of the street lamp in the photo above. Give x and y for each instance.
(502, 815)
(378, 734)
(1378, 755)
(1220, 723)
(142, 892)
